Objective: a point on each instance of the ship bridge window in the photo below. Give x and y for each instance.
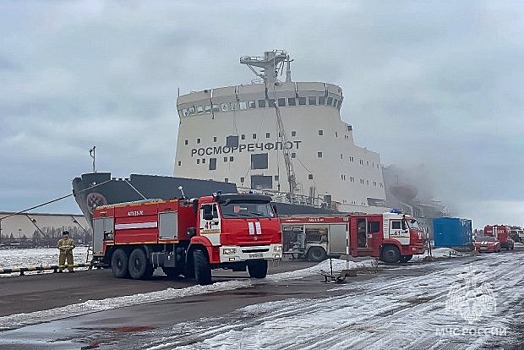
(212, 164)
(291, 101)
(302, 101)
(329, 100)
(261, 103)
(192, 110)
(321, 100)
(207, 109)
(335, 101)
(281, 102)
(271, 102)
(232, 141)
(224, 107)
(216, 108)
(312, 100)
(242, 105)
(252, 104)
(200, 109)
(184, 112)
(233, 106)
(259, 161)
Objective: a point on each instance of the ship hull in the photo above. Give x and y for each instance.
(94, 189)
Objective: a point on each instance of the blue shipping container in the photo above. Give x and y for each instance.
(452, 232)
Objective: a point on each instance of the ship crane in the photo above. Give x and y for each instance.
(270, 65)
(291, 179)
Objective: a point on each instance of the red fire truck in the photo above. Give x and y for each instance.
(188, 237)
(392, 236)
(502, 233)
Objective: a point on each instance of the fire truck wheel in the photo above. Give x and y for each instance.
(390, 254)
(316, 254)
(139, 267)
(119, 264)
(202, 268)
(257, 269)
(405, 258)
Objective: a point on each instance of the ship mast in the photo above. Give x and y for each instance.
(270, 66)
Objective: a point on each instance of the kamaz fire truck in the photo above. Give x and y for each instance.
(392, 237)
(188, 237)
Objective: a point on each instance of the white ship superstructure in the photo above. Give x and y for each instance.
(286, 137)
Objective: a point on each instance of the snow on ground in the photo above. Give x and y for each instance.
(13, 258)
(426, 311)
(441, 253)
(457, 303)
(18, 320)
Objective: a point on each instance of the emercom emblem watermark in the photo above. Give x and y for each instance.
(471, 300)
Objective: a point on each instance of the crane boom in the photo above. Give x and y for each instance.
(291, 179)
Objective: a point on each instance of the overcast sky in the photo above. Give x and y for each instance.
(433, 84)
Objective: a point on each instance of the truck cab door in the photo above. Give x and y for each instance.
(399, 230)
(210, 223)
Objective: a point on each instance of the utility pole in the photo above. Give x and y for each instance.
(92, 153)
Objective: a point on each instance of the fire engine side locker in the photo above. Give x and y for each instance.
(337, 239)
(102, 227)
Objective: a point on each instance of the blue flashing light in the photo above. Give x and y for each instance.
(396, 211)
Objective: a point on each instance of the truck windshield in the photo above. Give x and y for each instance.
(232, 209)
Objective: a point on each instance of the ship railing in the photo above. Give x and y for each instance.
(288, 198)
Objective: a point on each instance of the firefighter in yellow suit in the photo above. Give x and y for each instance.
(66, 246)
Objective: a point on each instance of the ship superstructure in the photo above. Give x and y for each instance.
(283, 137)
